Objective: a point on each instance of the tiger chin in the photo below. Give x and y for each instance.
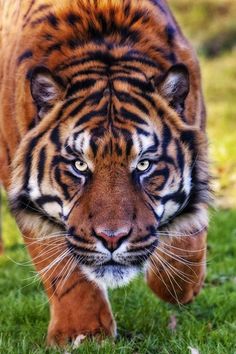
(103, 153)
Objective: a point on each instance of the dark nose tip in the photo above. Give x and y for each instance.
(112, 239)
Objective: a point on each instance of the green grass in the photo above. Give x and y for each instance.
(208, 324)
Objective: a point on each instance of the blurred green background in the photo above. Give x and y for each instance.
(211, 26)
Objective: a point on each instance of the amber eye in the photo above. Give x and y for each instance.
(81, 166)
(143, 165)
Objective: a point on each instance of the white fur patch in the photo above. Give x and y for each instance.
(170, 209)
(53, 209)
(82, 144)
(33, 186)
(140, 141)
(159, 210)
(187, 181)
(185, 224)
(112, 277)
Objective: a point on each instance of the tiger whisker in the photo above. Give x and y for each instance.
(45, 239)
(182, 249)
(29, 263)
(54, 262)
(179, 234)
(154, 269)
(162, 259)
(162, 279)
(58, 275)
(70, 269)
(181, 259)
(43, 260)
(47, 254)
(175, 270)
(158, 256)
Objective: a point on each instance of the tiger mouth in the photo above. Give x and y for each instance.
(94, 258)
(111, 276)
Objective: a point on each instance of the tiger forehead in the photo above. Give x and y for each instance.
(113, 142)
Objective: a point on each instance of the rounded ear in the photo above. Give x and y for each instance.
(46, 89)
(174, 86)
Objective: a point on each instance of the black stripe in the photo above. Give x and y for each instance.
(129, 145)
(74, 62)
(72, 18)
(53, 48)
(59, 159)
(180, 156)
(188, 138)
(143, 86)
(97, 71)
(94, 98)
(166, 138)
(140, 131)
(94, 114)
(74, 43)
(138, 15)
(127, 115)
(48, 199)
(53, 20)
(118, 149)
(41, 164)
(27, 54)
(167, 159)
(28, 159)
(64, 187)
(65, 105)
(94, 147)
(55, 138)
(126, 97)
(170, 33)
(133, 56)
(80, 85)
(50, 18)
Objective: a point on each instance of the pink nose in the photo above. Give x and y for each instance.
(110, 238)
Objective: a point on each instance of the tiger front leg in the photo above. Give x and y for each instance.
(78, 307)
(176, 271)
(79, 310)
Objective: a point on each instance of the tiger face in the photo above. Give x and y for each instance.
(110, 161)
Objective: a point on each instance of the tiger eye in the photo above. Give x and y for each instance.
(143, 165)
(81, 166)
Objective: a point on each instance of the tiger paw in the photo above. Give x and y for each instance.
(75, 324)
(61, 336)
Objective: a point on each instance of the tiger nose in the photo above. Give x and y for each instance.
(112, 239)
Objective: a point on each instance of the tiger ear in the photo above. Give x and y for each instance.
(46, 89)
(174, 86)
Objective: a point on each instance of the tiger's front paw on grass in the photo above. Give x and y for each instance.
(75, 332)
(60, 338)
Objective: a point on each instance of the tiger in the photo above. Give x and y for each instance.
(103, 153)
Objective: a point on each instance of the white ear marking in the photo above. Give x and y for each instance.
(46, 89)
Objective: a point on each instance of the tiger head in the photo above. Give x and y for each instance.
(111, 161)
